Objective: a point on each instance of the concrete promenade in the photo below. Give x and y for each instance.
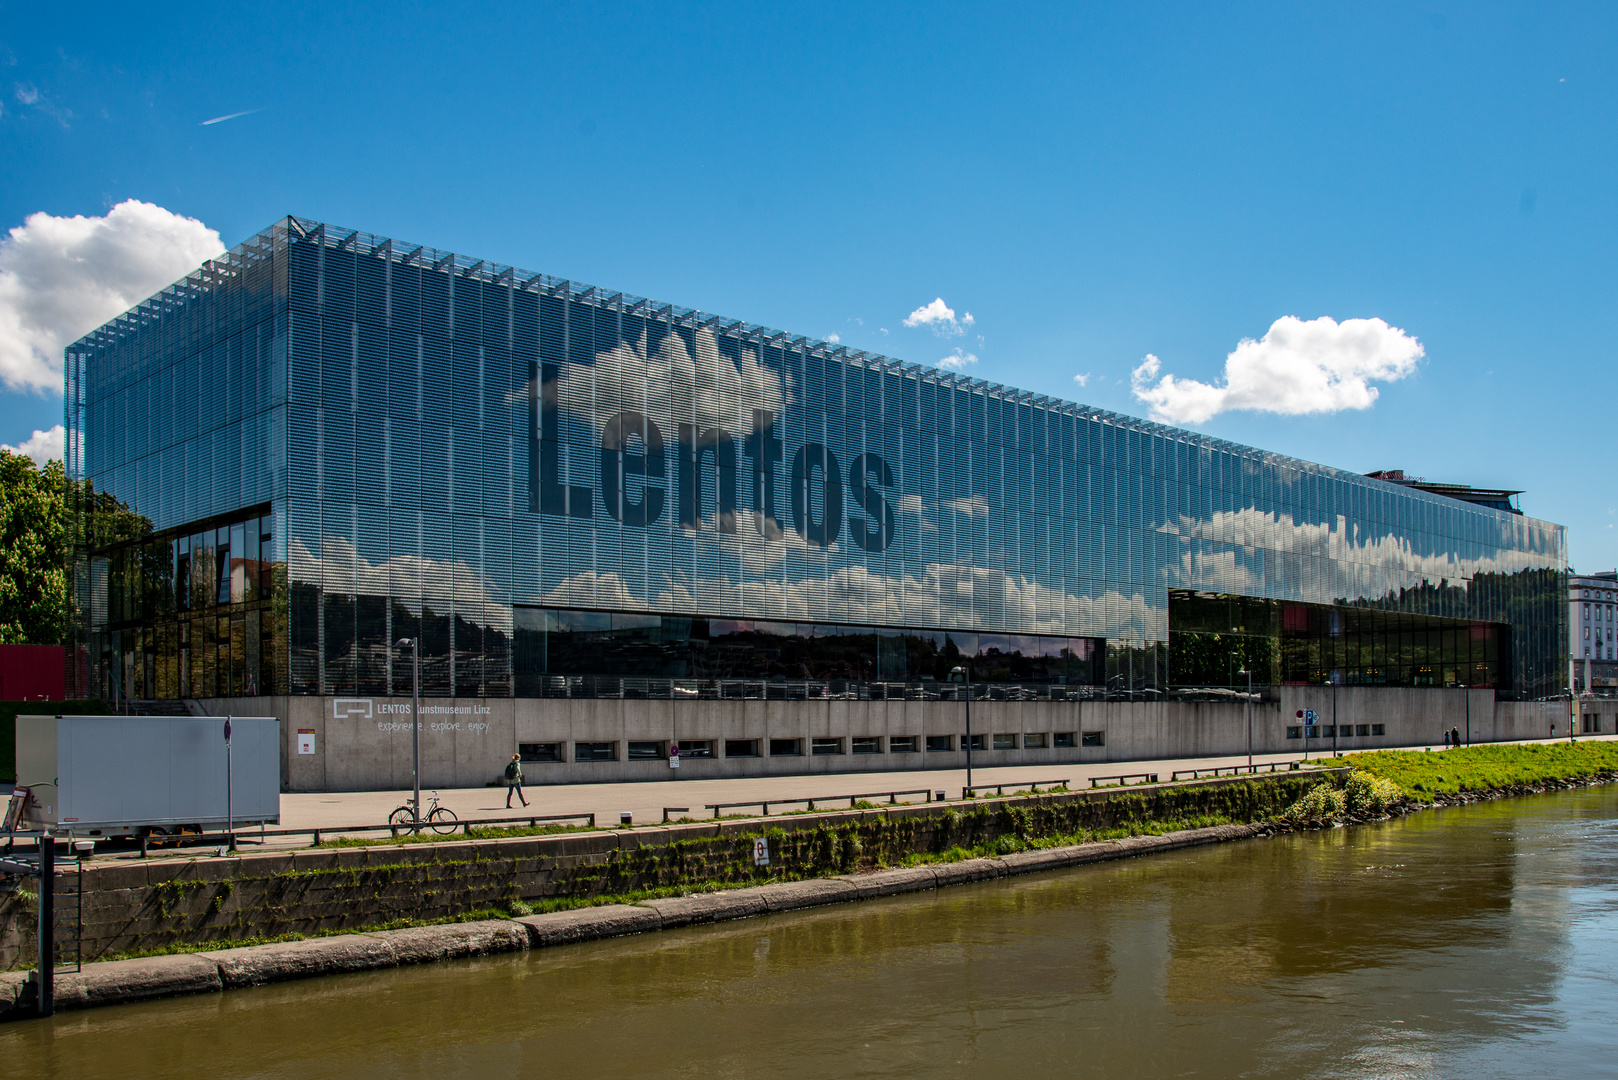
(646, 800)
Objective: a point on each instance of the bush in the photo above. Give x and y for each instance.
(1367, 795)
(1323, 802)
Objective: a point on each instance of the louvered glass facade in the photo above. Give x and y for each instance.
(326, 441)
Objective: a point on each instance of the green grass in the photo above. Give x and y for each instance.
(428, 836)
(1427, 775)
(1010, 844)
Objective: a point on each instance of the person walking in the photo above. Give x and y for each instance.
(514, 780)
(1455, 736)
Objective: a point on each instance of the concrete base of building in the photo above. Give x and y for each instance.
(363, 744)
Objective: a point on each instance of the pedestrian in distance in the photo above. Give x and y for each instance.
(514, 780)
(1446, 740)
(1455, 736)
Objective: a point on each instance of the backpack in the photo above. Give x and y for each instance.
(511, 770)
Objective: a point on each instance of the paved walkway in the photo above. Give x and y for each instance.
(331, 812)
(646, 800)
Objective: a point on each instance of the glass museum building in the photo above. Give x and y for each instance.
(599, 528)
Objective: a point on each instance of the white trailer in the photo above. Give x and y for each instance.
(147, 775)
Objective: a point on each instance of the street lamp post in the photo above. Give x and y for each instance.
(963, 676)
(1333, 682)
(1248, 672)
(415, 726)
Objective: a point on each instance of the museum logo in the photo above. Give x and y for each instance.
(707, 462)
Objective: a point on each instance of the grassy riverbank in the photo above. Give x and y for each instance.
(1429, 776)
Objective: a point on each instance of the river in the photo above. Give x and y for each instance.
(1477, 941)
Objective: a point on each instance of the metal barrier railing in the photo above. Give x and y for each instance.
(853, 800)
(1124, 779)
(1033, 787)
(1235, 770)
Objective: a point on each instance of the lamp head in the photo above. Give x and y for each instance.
(957, 674)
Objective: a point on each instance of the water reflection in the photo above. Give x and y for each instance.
(1470, 942)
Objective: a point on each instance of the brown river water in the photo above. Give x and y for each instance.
(1479, 941)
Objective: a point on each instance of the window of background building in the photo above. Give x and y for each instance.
(741, 748)
(1033, 741)
(902, 744)
(979, 742)
(786, 747)
(867, 744)
(937, 744)
(1064, 740)
(645, 751)
(821, 747)
(1004, 742)
(696, 748)
(595, 751)
(540, 751)
(1094, 738)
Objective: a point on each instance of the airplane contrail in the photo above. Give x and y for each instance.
(229, 116)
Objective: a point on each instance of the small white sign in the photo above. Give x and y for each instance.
(761, 852)
(306, 740)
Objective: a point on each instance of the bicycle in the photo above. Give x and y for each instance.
(441, 819)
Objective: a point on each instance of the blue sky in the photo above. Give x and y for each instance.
(1094, 184)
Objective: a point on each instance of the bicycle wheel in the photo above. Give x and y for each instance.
(443, 820)
(401, 818)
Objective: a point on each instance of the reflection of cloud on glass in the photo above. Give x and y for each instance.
(972, 506)
(591, 589)
(674, 384)
(912, 505)
(411, 581)
(944, 597)
(1242, 551)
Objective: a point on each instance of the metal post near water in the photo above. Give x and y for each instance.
(1333, 682)
(963, 675)
(46, 982)
(230, 804)
(415, 727)
(1249, 673)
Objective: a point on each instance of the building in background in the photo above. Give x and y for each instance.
(1493, 498)
(1593, 647)
(609, 524)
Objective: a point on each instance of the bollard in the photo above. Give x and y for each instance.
(938, 796)
(626, 818)
(317, 839)
(45, 980)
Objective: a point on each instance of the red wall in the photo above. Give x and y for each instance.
(31, 673)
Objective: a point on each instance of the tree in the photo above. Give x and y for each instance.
(33, 551)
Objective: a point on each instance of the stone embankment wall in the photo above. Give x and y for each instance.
(121, 981)
(133, 906)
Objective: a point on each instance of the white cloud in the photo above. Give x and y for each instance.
(1082, 380)
(42, 446)
(940, 318)
(61, 277)
(958, 360)
(834, 338)
(1296, 368)
(27, 93)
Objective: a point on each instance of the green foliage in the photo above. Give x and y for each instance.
(1369, 795)
(1323, 802)
(33, 552)
(1494, 767)
(1362, 795)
